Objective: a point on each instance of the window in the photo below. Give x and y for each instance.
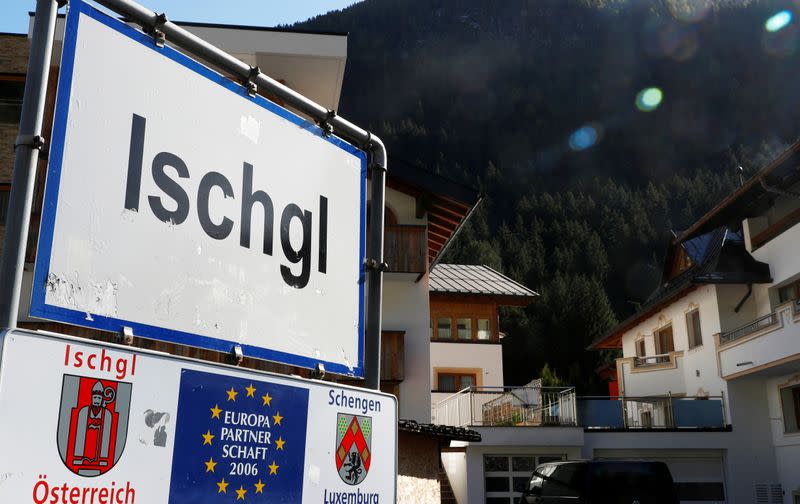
(507, 476)
(11, 91)
(464, 328)
(443, 328)
(693, 328)
(664, 342)
(484, 332)
(790, 403)
(453, 382)
(640, 352)
(789, 292)
(5, 192)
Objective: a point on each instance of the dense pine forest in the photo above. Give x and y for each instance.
(539, 104)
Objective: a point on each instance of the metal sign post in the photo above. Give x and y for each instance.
(27, 145)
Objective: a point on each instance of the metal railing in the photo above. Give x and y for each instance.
(751, 327)
(651, 412)
(651, 360)
(507, 406)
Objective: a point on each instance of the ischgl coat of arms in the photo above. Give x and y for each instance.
(92, 423)
(353, 447)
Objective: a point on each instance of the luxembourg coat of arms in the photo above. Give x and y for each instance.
(353, 447)
(92, 423)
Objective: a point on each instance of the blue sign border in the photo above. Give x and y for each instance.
(40, 309)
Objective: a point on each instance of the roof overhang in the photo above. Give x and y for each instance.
(311, 63)
(749, 199)
(448, 204)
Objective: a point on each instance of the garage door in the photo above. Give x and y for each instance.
(699, 477)
(505, 476)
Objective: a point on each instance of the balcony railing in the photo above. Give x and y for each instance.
(651, 360)
(507, 406)
(651, 412)
(768, 320)
(559, 406)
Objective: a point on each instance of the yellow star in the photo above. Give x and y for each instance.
(267, 399)
(207, 437)
(273, 468)
(277, 418)
(259, 486)
(223, 486)
(215, 411)
(250, 390)
(240, 493)
(280, 442)
(210, 465)
(231, 394)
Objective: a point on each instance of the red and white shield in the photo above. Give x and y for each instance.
(92, 423)
(353, 445)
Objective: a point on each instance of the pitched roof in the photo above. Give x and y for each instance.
(751, 197)
(481, 280)
(439, 431)
(718, 257)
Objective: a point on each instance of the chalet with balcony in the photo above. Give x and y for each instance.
(726, 322)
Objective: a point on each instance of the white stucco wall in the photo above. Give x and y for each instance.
(781, 254)
(751, 456)
(406, 308)
(455, 466)
(484, 356)
(787, 445)
(728, 297)
(696, 372)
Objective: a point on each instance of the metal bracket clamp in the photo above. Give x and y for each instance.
(325, 124)
(61, 3)
(374, 265)
(155, 31)
(318, 372)
(249, 82)
(237, 356)
(32, 141)
(126, 336)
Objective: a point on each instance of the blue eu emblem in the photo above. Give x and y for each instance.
(238, 440)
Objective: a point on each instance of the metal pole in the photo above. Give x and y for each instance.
(372, 347)
(27, 145)
(343, 128)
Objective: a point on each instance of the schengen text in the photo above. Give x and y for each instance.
(341, 398)
(357, 497)
(65, 493)
(246, 428)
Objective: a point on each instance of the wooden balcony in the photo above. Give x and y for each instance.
(405, 249)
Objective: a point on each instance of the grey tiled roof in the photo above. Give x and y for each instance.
(468, 279)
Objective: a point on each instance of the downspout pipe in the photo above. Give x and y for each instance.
(328, 120)
(746, 296)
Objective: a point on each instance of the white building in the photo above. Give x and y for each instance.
(725, 325)
(709, 378)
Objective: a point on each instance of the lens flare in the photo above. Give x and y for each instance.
(649, 99)
(583, 138)
(779, 21)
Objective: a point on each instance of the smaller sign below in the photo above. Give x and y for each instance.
(111, 424)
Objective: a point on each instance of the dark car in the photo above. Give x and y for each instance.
(601, 481)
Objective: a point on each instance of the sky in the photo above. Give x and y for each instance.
(14, 13)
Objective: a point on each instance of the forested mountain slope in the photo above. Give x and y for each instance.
(535, 103)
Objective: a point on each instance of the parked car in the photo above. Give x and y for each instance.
(601, 481)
